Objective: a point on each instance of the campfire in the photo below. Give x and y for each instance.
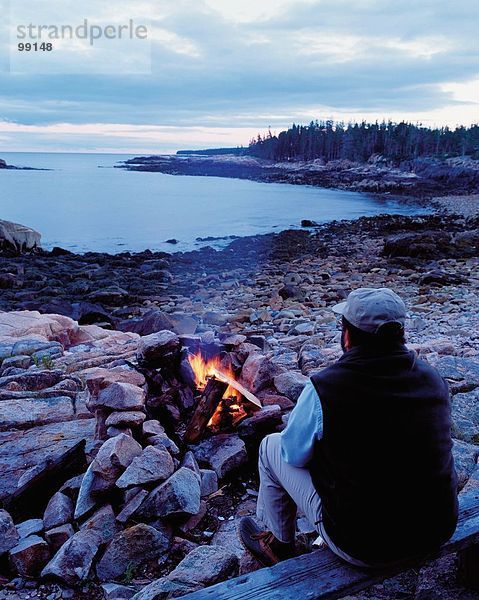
(223, 402)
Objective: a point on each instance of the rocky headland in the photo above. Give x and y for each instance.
(87, 344)
(5, 165)
(420, 177)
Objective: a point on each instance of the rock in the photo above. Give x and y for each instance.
(151, 322)
(29, 412)
(29, 527)
(438, 277)
(113, 295)
(189, 462)
(215, 318)
(194, 520)
(178, 495)
(152, 427)
(209, 482)
(423, 244)
(465, 460)
(21, 361)
(465, 416)
(103, 523)
(24, 453)
(290, 384)
(114, 591)
(261, 423)
(98, 378)
(58, 536)
(18, 238)
(28, 324)
(206, 565)
(115, 455)
(58, 511)
(129, 549)
(29, 556)
(119, 397)
(165, 588)
(281, 401)
(8, 532)
(455, 368)
(163, 441)
(152, 465)
(223, 453)
(292, 291)
(153, 348)
(85, 501)
(203, 566)
(125, 419)
(184, 324)
(71, 487)
(72, 563)
(258, 372)
(131, 506)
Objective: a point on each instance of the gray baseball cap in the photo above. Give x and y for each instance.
(368, 308)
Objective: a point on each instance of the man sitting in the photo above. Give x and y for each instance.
(366, 454)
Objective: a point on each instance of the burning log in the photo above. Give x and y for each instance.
(238, 387)
(207, 404)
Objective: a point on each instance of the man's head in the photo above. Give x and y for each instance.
(372, 316)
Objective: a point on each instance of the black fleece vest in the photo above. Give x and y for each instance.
(384, 467)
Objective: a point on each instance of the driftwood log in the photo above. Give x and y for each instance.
(207, 404)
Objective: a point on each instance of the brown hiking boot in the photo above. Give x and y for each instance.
(262, 544)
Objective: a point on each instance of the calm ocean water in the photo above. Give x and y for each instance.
(83, 204)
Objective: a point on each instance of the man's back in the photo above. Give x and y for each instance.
(384, 467)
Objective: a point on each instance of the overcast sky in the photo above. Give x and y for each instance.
(222, 70)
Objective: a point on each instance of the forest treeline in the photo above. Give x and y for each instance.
(397, 142)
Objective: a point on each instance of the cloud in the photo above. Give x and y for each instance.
(240, 66)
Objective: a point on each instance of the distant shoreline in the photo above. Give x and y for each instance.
(436, 178)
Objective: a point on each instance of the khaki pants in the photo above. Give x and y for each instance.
(282, 490)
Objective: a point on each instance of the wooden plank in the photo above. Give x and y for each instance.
(238, 387)
(323, 575)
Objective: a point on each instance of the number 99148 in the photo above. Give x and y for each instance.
(35, 47)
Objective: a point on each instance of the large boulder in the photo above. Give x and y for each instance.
(115, 455)
(423, 244)
(119, 396)
(131, 548)
(223, 453)
(203, 566)
(18, 238)
(29, 556)
(206, 565)
(258, 372)
(28, 412)
(32, 324)
(153, 465)
(290, 384)
(8, 532)
(154, 348)
(58, 511)
(178, 495)
(72, 563)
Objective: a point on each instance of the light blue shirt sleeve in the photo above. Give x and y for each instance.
(305, 427)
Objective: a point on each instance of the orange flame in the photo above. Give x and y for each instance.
(204, 368)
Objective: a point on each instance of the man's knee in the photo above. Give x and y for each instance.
(270, 445)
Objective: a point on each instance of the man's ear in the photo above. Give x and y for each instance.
(347, 340)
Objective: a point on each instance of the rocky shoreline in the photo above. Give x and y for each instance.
(266, 300)
(422, 177)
